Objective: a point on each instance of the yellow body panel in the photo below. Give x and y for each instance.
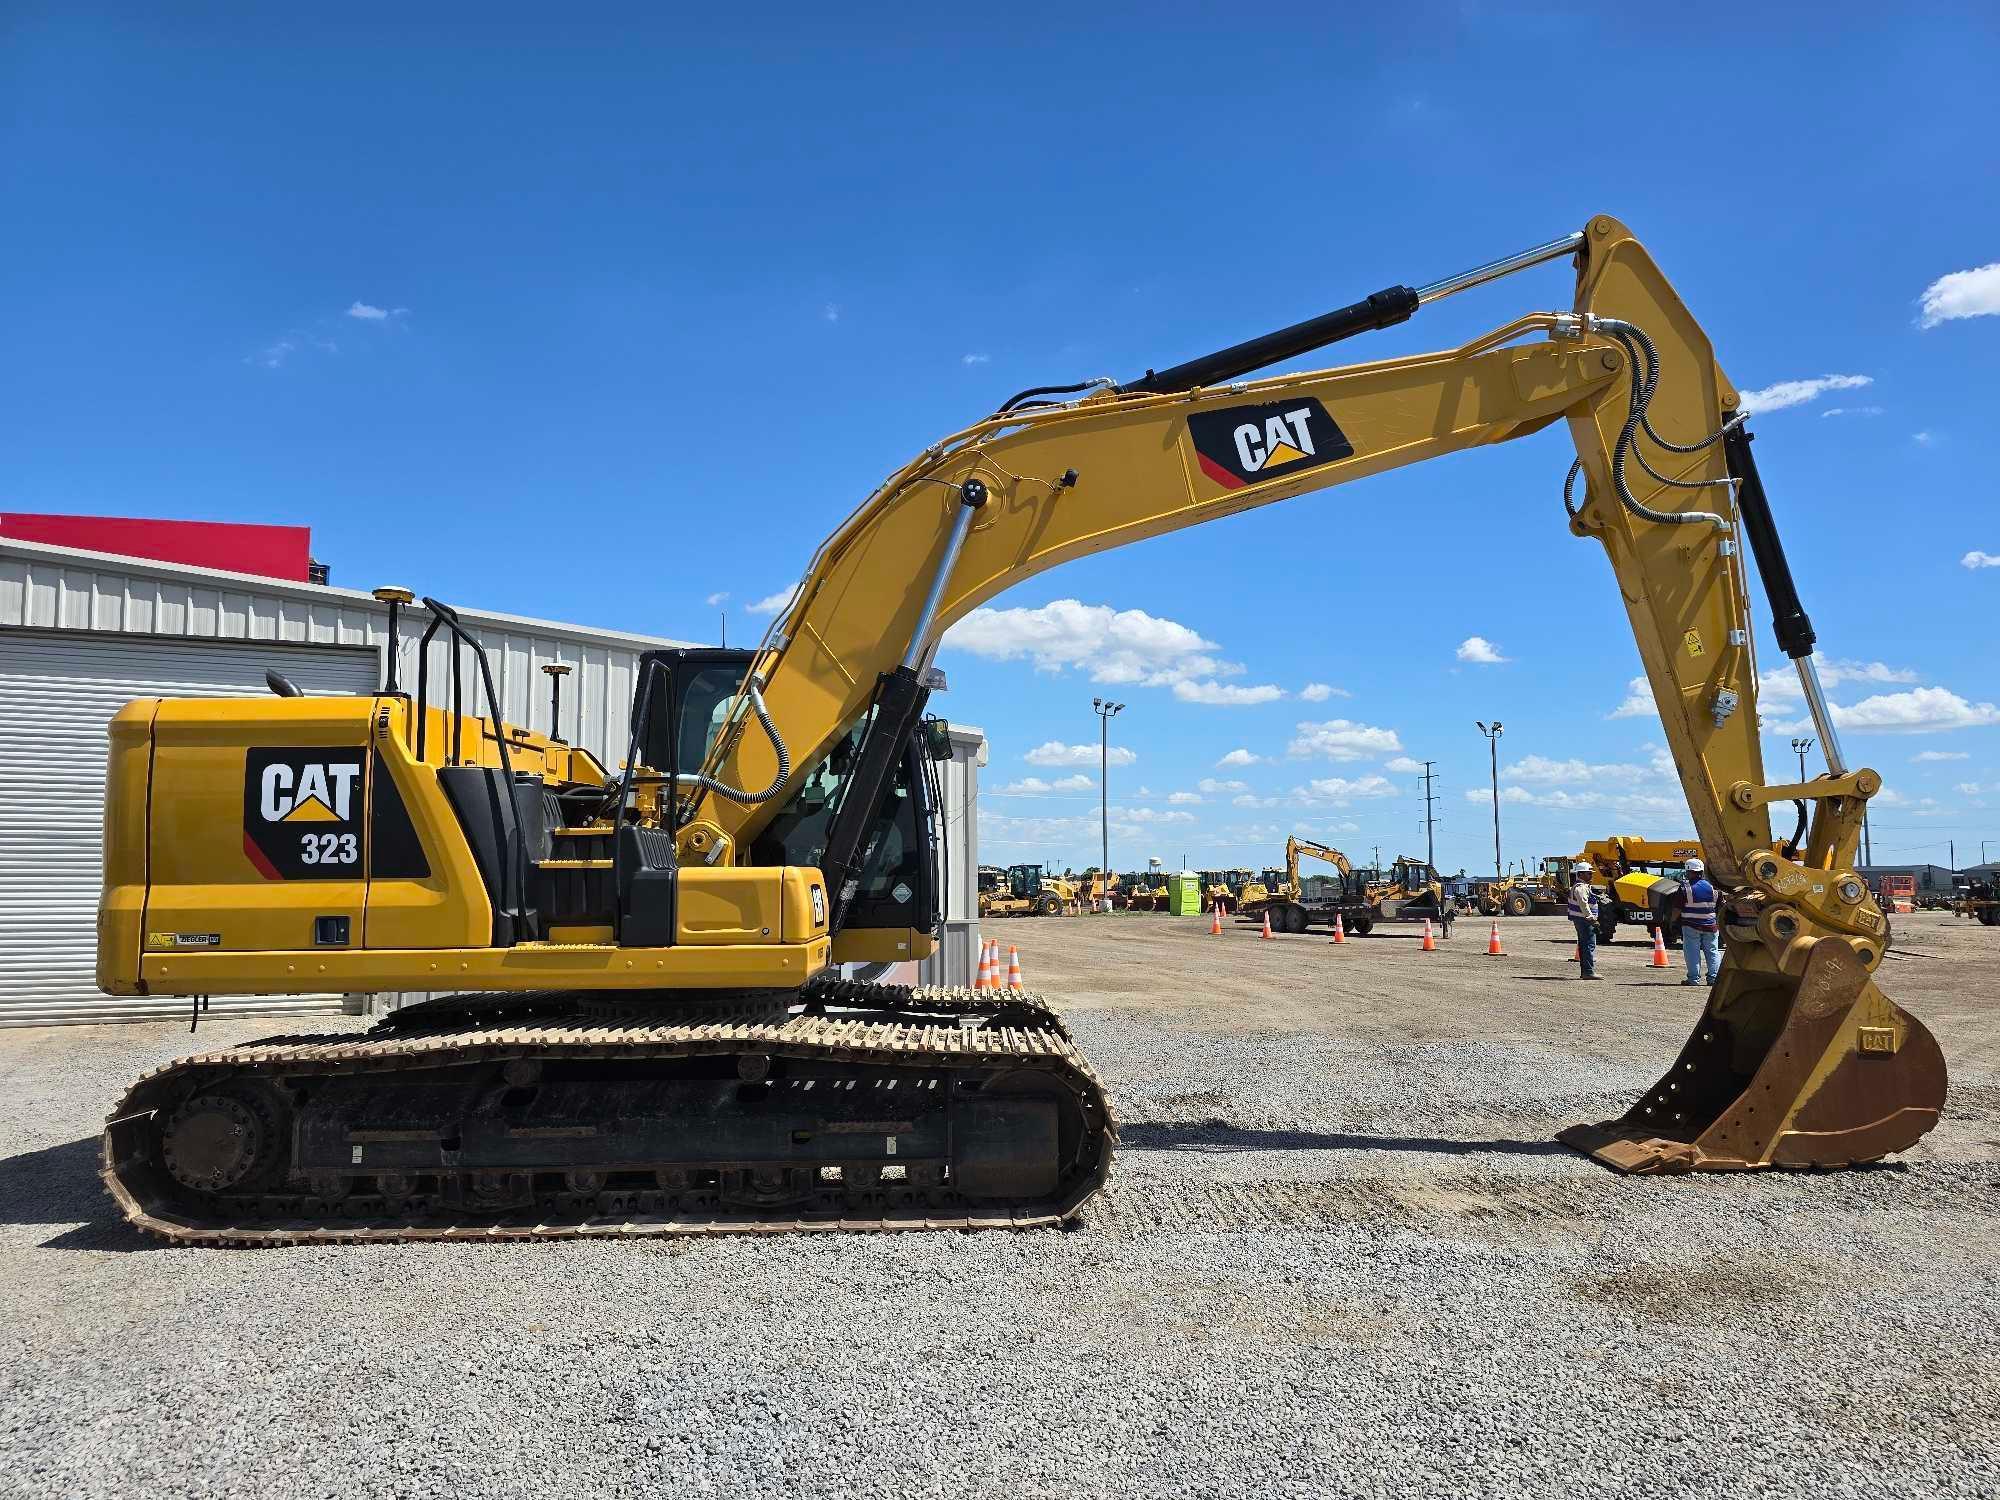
(194, 904)
(526, 966)
(881, 945)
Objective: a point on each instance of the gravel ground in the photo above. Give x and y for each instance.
(1341, 1257)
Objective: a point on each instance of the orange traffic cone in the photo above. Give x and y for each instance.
(1493, 948)
(1576, 954)
(985, 980)
(1430, 943)
(1339, 929)
(1659, 949)
(1215, 921)
(1013, 967)
(1267, 927)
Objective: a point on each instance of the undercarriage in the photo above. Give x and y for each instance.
(848, 1106)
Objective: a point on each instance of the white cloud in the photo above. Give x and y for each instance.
(1539, 770)
(1183, 799)
(1926, 756)
(1638, 701)
(1115, 646)
(1148, 815)
(1343, 739)
(1476, 648)
(1968, 789)
(366, 313)
(1623, 803)
(831, 312)
(1783, 681)
(1034, 786)
(975, 359)
(1852, 411)
(716, 601)
(1962, 294)
(1923, 439)
(1224, 694)
(271, 356)
(770, 604)
(1798, 392)
(1404, 765)
(1249, 799)
(1056, 753)
(1924, 710)
(1240, 757)
(1319, 692)
(1340, 790)
(1213, 787)
(1978, 559)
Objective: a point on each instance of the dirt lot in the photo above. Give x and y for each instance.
(1341, 1255)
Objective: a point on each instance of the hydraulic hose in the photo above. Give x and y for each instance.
(1645, 381)
(736, 794)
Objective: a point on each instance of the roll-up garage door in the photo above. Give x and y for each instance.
(58, 690)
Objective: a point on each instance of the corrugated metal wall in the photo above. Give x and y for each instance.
(63, 588)
(60, 588)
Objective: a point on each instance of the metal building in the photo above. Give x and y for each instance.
(82, 633)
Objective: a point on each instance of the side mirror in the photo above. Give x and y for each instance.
(937, 739)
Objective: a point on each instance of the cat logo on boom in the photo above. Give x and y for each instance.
(1240, 445)
(302, 813)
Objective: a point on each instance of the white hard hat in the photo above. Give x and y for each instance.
(1694, 867)
(1580, 868)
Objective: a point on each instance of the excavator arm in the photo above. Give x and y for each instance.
(1799, 1058)
(1295, 846)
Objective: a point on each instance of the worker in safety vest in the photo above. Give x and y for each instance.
(1699, 941)
(1583, 917)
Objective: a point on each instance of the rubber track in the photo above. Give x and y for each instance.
(1032, 1036)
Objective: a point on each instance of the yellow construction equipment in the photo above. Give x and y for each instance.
(649, 1034)
(1642, 881)
(1024, 891)
(1281, 895)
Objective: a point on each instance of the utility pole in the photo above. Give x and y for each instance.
(1952, 845)
(1430, 821)
(1106, 711)
(1493, 756)
(1802, 745)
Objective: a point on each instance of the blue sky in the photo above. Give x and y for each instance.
(547, 312)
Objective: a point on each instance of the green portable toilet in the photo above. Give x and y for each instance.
(1184, 894)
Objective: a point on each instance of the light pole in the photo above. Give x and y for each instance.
(1802, 745)
(1493, 757)
(1106, 711)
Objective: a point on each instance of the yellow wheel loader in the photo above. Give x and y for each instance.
(642, 1024)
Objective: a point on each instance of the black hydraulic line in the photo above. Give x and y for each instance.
(1788, 617)
(1047, 390)
(1382, 309)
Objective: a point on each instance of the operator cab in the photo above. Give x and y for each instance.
(685, 698)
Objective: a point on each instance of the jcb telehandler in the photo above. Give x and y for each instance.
(642, 1028)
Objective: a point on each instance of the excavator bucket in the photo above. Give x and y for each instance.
(1818, 1069)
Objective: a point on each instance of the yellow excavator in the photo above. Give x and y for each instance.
(641, 1026)
(1280, 895)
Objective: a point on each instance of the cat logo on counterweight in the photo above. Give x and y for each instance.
(1240, 445)
(302, 813)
